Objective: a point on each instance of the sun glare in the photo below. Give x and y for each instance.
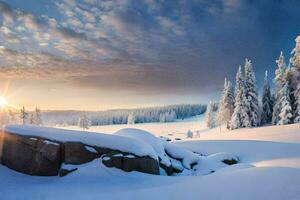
(3, 102)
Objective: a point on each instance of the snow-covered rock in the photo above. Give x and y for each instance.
(53, 147)
(188, 158)
(116, 142)
(128, 149)
(129, 162)
(33, 157)
(146, 137)
(171, 157)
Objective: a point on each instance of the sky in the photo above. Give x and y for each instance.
(107, 54)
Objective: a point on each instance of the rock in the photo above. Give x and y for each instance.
(230, 162)
(44, 157)
(29, 155)
(168, 169)
(76, 153)
(141, 164)
(64, 172)
(130, 163)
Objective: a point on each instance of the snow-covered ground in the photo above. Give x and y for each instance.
(269, 168)
(170, 130)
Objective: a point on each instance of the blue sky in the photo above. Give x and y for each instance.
(93, 54)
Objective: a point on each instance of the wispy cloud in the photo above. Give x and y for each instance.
(142, 46)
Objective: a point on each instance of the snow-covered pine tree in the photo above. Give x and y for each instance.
(297, 104)
(169, 116)
(84, 122)
(38, 116)
(285, 115)
(251, 94)
(267, 102)
(31, 118)
(289, 75)
(278, 81)
(240, 117)
(226, 105)
(23, 115)
(295, 64)
(209, 116)
(131, 119)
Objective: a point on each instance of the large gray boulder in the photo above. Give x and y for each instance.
(31, 155)
(129, 162)
(77, 153)
(43, 157)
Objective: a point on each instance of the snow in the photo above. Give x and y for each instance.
(176, 164)
(269, 168)
(188, 158)
(116, 142)
(90, 149)
(286, 133)
(118, 155)
(161, 147)
(169, 130)
(50, 142)
(144, 136)
(69, 166)
(129, 156)
(106, 158)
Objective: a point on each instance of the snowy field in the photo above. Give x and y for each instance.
(269, 168)
(170, 130)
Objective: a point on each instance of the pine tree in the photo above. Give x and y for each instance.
(285, 115)
(209, 116)
(240, 117)
(38, 117)
(23, 115)
(278, 80)
(251, 94)
(84, 122)
(131, 119)
(289, 75)
(267, 103)
(297, 104)
(31, 118)
(295, 64)
(169, 116)
(226, 105)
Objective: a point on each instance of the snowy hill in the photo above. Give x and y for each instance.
(286, 133)
(269, 168)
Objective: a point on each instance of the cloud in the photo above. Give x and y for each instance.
(148, 46)
(7, 12)
(40, 66)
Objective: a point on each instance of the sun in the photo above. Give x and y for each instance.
(3, 102)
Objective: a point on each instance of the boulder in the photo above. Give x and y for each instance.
(130, 163)
(64, 172)
(40, 156)
(31, 155)
(141, 164)
(168, 169)
(230, 161)
(77, 153)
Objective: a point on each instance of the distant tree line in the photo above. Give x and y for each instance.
(123, 116)
(22, 116)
